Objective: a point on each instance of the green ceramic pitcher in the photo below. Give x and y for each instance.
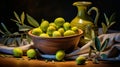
(83, 19)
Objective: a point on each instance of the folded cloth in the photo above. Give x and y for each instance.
(112, 50)
(9, 50)
(113, 54)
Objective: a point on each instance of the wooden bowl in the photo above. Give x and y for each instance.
(49, 45)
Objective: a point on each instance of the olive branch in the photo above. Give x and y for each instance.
(16, 38)
(108, 22)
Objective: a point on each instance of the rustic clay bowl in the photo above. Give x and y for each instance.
(51, 45)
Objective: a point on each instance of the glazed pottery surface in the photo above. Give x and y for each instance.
(83, 20)
(49, 45)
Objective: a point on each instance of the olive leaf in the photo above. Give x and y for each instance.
(97, 44)
(17, 17)
(9, 41)
(32, 21)
(1, 31)
(22, 18)
(16, 33)
(104, 45)
(15, 39)
(5, 28)
(14, 20)
(106, 19)
(13, 43)
(18, 40)
(104, 28)
(23, 27)
(5, 40)
(112, 17)
(109, 22)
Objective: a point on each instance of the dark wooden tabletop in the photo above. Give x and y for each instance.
(25, 62)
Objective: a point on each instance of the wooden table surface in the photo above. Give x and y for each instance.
(25, 62)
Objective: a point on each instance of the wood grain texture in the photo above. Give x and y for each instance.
(24, 62)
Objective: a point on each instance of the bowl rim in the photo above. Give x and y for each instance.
(75, 35)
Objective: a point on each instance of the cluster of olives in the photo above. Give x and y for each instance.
(57, 28)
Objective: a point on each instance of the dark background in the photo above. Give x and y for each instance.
(50, 9)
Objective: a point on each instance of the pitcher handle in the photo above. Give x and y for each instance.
(97, 14)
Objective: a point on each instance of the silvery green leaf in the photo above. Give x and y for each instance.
(14, 40)
(22, 18)
(97, 44)
(32, 21)
(5, 28)
(103, 56)
(104, 45)
(4, 36)
(5, 40)
(14, 44)
(16, 33)
(18, 25)
(18, 41)
(104, 28)
(106, 19)
(9, 41)
(23, 27)
(1, 31)
(14, 20)
(111, 24)
(112, 18)
(17, 17)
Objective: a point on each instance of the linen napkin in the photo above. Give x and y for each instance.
(112, 51)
